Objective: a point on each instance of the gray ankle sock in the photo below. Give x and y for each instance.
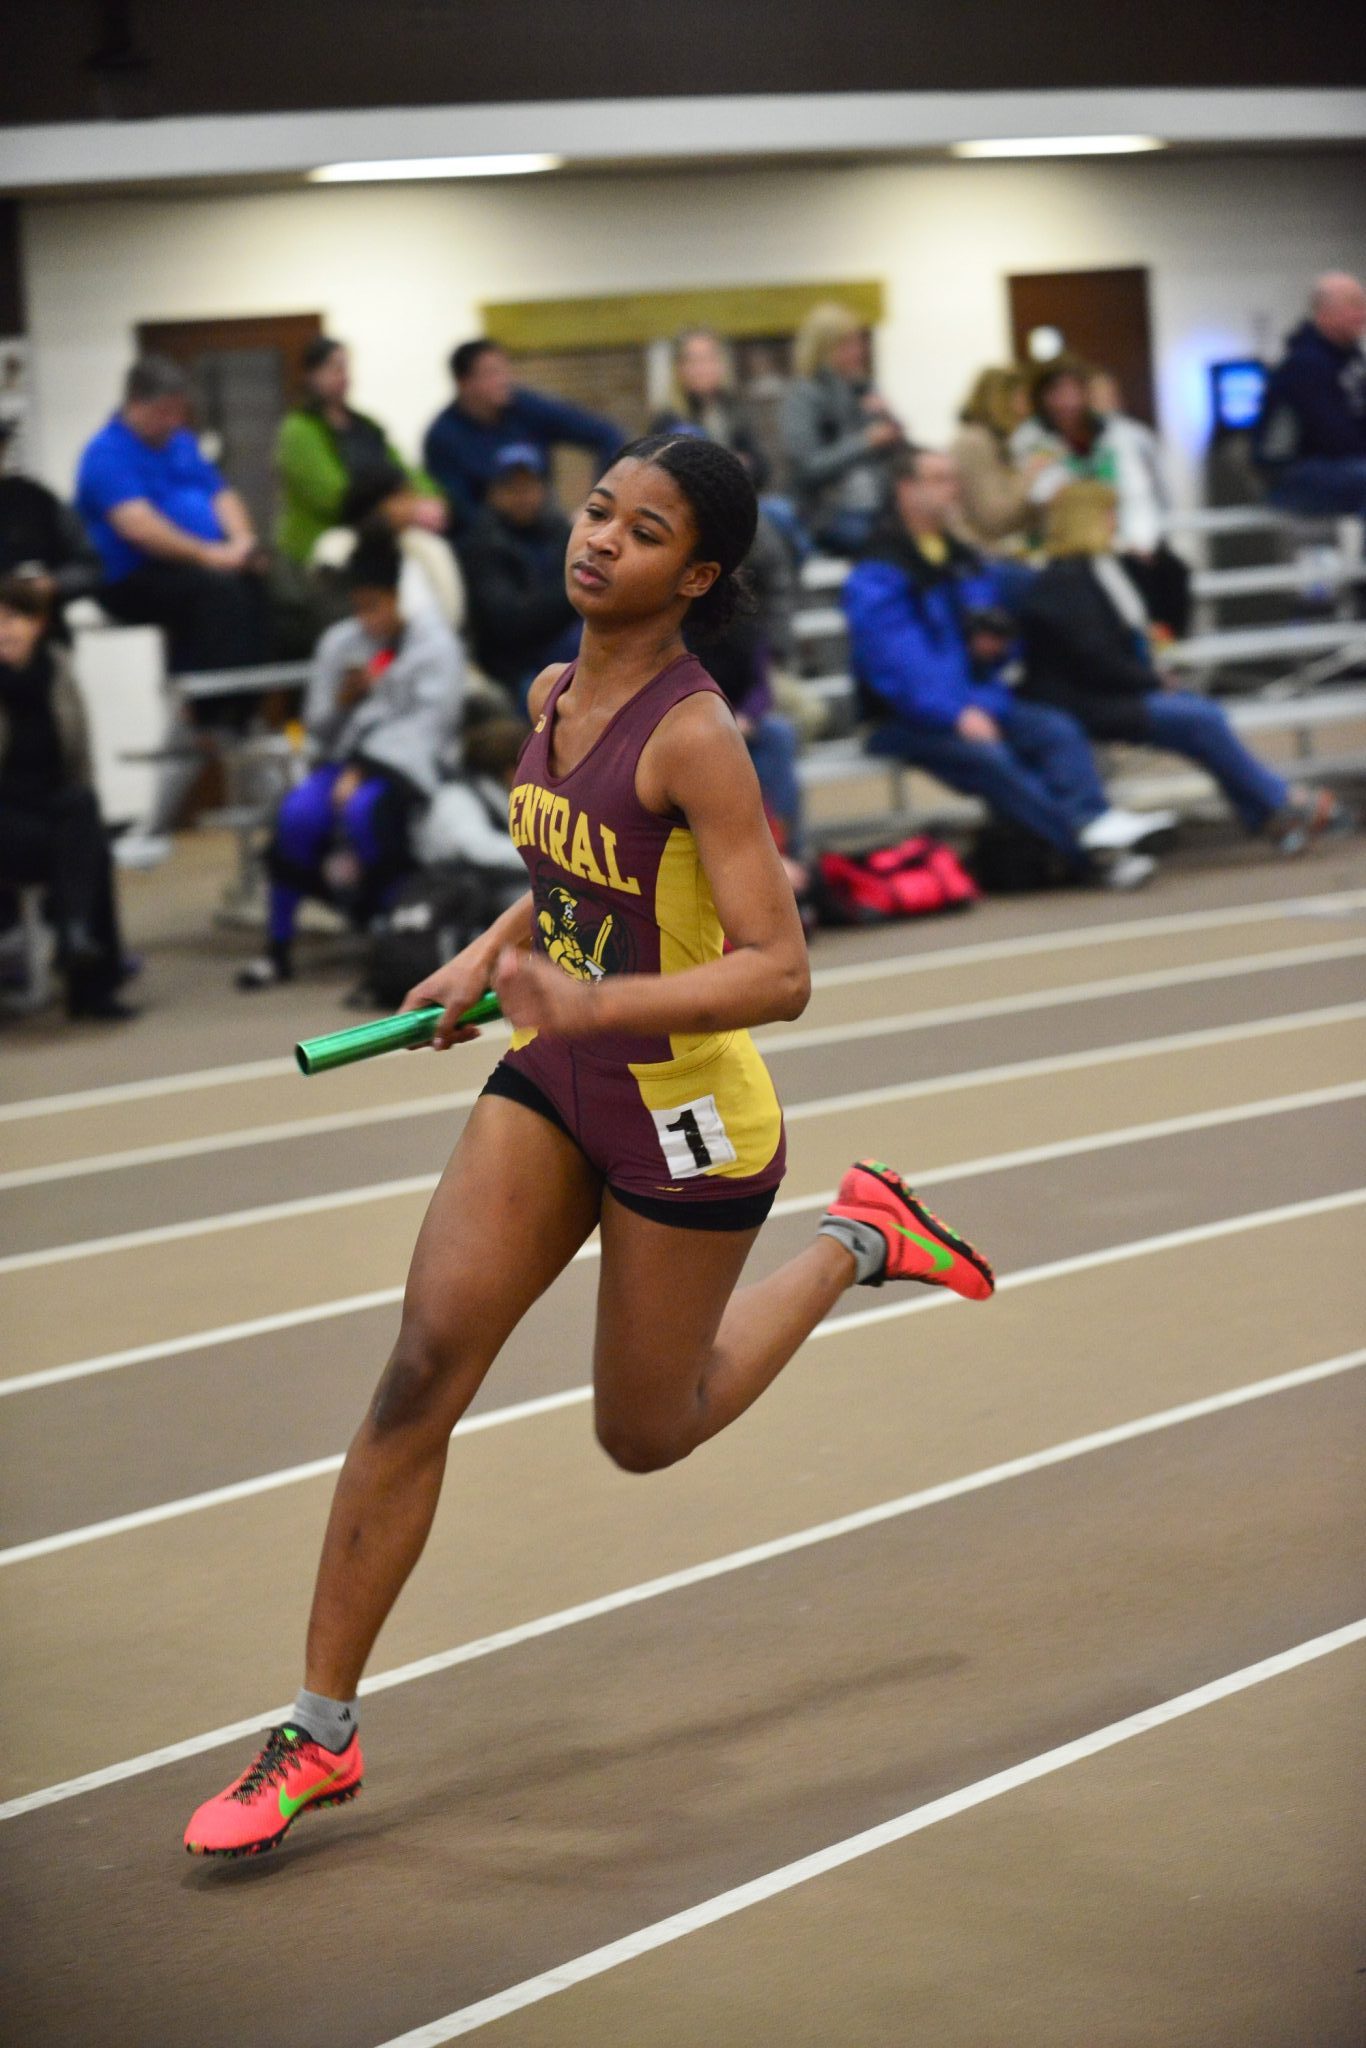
(862, 1239)
(330, 1722)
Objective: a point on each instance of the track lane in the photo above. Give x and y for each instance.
(201, 1286)
(606, 1777)
(906, 973)
(1202, 1877)
(83, 1451)
(532, 1519)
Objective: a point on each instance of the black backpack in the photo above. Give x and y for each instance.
(1006, 859)
(436, 912)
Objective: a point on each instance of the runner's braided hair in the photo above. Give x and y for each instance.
(725, 512)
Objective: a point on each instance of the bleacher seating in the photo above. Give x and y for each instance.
(1278, 666)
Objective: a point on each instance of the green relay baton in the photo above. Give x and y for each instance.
(384, 1034)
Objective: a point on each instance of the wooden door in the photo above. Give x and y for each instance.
(247, 373)
(1101, 315)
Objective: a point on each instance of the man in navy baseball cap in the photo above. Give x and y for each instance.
(513, 558)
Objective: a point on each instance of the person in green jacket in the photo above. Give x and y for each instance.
(324, 448)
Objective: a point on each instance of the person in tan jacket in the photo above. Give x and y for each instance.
(995, 512)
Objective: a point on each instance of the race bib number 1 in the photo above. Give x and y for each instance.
(693, 1138)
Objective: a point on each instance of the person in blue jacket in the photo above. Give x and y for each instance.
(916, 606)
(1311, 438)
(490, 412)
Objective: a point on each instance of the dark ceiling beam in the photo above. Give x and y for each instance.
(71, 60)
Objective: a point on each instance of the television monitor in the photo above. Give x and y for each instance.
(1238, 388)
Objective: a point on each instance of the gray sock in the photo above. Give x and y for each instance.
(330, 1722)
(862, 1239)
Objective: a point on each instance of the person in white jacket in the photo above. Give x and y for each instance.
(381, 712)
(1108, 448)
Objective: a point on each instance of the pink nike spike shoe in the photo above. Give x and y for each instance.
(258, 1809)
(919, 1246)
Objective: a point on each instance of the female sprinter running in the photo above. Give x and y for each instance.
(631, 1100)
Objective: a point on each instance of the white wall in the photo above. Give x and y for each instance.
(399, 271)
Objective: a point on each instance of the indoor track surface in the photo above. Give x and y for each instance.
(996, 1683)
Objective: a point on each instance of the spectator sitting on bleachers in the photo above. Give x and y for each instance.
(704, 397)
(838, 432)
(430, 578)
(1088, 652)
(42, 537)
(325, 449)
(1113, 449)
(382, 709)
(177, 543)
(51, 832)
(911, 604)
(1311, 439)
(513, 557)
(467, 819)
(489, 412)
(995, 489)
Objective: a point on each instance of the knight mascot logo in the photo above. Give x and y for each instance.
(581, 935)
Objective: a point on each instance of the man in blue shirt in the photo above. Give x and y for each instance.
(490, 412)
(929, 630)
(177, 543)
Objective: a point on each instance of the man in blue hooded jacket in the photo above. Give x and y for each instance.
(1311, 439)
(928, 643)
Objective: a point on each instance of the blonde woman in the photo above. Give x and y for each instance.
(704, 399)
(1088, 651)
(838, 432)
(995, 488)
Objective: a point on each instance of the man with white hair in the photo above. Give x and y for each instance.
(1311, 439)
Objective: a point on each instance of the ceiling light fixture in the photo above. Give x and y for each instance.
(432, 167)
(1059, 145)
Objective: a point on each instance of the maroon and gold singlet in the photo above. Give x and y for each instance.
(684, 1120)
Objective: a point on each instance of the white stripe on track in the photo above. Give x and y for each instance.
(793, 1041)
(1341, 902)
(209, 1226)
(293, 1475)
(235, 1141)
(385, 1297)
(1059, 998)
(1070, 1062)
(579, 1969)
(713, 1568)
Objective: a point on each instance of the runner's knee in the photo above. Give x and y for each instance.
(635, 1447)
(419, 1383)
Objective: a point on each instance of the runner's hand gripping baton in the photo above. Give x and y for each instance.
(384, 1034)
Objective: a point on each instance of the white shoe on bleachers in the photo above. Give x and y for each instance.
(1115, 830)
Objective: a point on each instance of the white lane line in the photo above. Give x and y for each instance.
(208, 1226)
(1059, 998)
(292, 1475)
(876, 1027)
(385, 1297)
(700, 1574)
(579, 1969)
(270, 1482)
(234, 1141)
(1087, 935)
(1076, 1062)
(1325, 905)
